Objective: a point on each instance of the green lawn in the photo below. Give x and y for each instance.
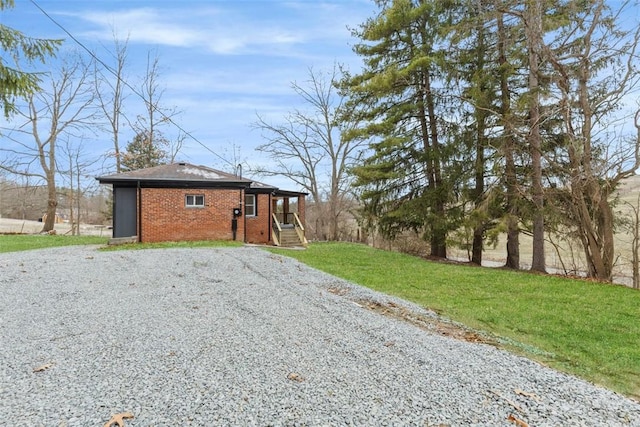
(24, 242)
(587, 329)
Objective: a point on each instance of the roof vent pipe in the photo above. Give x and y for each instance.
(239, 170)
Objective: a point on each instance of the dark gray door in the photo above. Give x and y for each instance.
(124, 212)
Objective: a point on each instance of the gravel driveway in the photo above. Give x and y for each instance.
(238, 336)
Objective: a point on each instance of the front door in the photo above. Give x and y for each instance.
(124, 212)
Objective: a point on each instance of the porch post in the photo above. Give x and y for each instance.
(274, 206)
(285, 209)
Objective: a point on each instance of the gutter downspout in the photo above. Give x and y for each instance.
(139, 213)
(269, 220)
(244, 215)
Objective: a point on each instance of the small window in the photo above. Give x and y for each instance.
(194, 201)
(250, 208)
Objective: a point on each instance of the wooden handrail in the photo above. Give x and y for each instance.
(275, 220)
(300, 229)
(276, 232)
(298, 222)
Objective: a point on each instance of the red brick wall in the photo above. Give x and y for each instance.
(166, 218)
(258, 227)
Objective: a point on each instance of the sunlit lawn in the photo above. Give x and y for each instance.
(23, 242)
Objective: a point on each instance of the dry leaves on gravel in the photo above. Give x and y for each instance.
(43, 368)
(295, 377)
(118, 419)
(517, 421)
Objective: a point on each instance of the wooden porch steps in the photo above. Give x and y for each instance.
(289, 238)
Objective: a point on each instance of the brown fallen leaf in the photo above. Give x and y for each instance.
(527, 394)
(509, 401)
(118, 419)
(43, 367)
(295, 377)
(517, 421)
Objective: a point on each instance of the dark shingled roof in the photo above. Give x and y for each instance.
(176, 172)
(185, 175)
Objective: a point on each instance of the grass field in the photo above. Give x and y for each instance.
(23, 242)
(584, 328)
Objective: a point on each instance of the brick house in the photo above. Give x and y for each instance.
(180, 201)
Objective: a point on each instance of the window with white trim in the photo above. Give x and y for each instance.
(194, 200)
(250, 208)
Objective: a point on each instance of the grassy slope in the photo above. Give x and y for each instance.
(588, 329)
(23, 242)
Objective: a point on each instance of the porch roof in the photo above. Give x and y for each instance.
(261, 187)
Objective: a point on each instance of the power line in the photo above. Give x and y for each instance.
(134, 90)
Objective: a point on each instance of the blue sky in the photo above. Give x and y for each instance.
(221, 61)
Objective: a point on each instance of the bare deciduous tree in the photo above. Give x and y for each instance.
(73, 174)
(595, 66)
(63, 108)
(307, 146)
(155, 114)
(110, 95)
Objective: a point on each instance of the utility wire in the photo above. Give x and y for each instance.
(134, 90)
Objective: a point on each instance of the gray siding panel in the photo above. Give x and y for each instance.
(124, 212)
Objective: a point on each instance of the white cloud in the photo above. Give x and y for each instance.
(144, 25)
(217, 31)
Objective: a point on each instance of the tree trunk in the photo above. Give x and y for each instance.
(478, 231)
(438, 230)
(608, 244)
(534, 40)
(52, 203)
(508, 151)
(513, 244)
(635, 244)
(333, 219)
(72, 204)
(481, 110)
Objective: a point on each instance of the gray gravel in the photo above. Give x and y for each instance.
(238, 336)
